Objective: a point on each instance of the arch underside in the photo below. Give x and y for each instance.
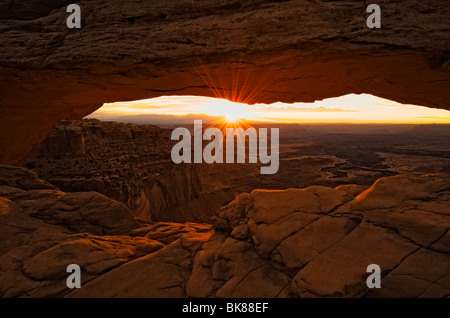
(247, 51)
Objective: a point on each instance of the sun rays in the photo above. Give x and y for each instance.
(231, 119)
(350, 108)
(235, 82)
(236, 91)
(225, 123)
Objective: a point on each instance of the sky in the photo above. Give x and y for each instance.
(352, 108)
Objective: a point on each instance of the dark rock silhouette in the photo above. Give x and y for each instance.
(252, 51)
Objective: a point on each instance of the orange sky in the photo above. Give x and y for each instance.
(350, 108)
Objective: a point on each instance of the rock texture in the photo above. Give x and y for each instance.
(132, 164)
(311, 242)
(82, 212)
(44, 230)
(126, 162)
(246, 50)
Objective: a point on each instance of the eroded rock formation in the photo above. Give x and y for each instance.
(311, 242)
(126, 162)
(245, 50)
(43, 228)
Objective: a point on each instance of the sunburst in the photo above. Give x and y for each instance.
(230, 119)
(227, 122)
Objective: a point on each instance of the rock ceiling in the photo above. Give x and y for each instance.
(245, 50)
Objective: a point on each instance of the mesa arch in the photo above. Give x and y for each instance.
(251, 50)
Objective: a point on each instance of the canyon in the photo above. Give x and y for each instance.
(260, 243)
(107, 196)
(132, 163)
(128, 163)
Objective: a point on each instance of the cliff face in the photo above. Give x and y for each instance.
(311, 242)
(246, 50)
(126, 162)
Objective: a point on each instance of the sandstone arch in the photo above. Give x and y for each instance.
(252, 50)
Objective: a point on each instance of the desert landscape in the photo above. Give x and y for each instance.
(106, 195)
(131, 163)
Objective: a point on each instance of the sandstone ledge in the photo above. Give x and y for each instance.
(312, 242)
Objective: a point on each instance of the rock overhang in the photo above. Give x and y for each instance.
(254, 51)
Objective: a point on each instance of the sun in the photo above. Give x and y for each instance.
(228, 111)
(234, 122)
(231, 119)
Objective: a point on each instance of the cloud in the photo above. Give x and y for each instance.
(435, 117)
(304, 109)
(133, 105)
